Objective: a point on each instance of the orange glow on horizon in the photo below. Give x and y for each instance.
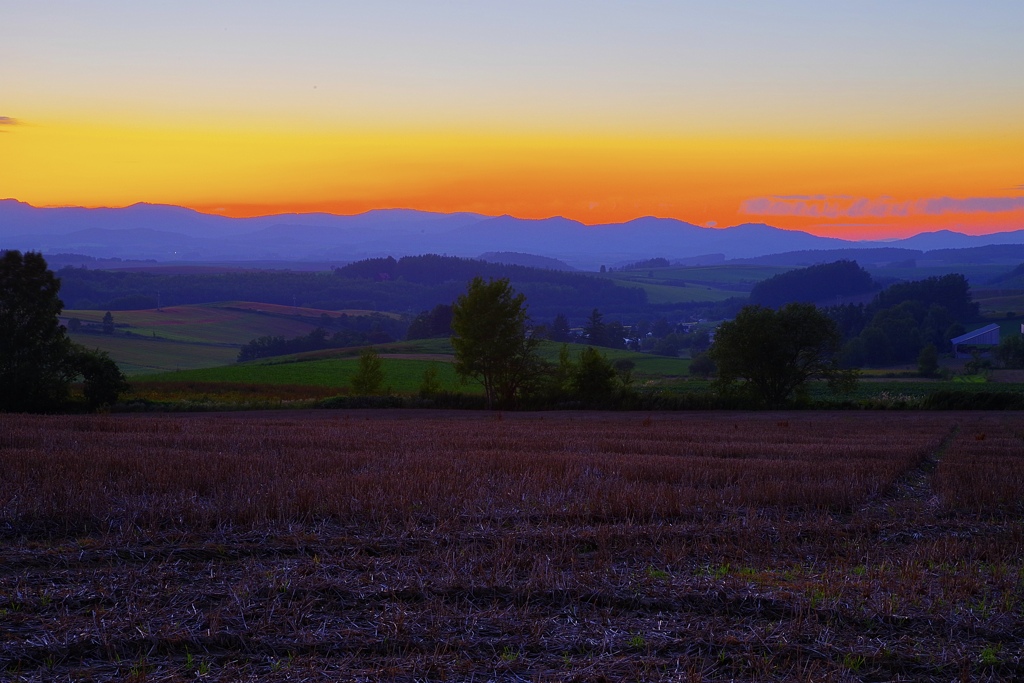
(589, 178)
(866, 229)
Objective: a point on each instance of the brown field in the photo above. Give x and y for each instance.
(414, 546)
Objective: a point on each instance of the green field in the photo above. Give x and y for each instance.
(675, 294)
(687, 284)
(142, 355)
(406, 362)
(744, 275)
(402, 375)
(217, 323)
(404, 366)
(192, 337)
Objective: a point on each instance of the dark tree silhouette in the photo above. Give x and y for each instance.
(493, 341)
(37, 360)
(559, 330)
(771, 355)
(369, 377)
(595, 329)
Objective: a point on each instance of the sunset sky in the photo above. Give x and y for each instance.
(866, 119)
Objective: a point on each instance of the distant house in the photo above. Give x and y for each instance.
(983, 336)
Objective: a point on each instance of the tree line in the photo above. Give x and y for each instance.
(895, 326)
(765, 357)
(405, 285)
(903, 319)
(351, 330)
(495, 345)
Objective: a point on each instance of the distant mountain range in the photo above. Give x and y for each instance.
(176, 234)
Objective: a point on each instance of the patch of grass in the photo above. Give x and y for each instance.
(401, 375)
(990, 655)
(404, 366)
(674, 294)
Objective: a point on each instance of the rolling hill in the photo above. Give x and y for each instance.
(170, 233)
(191, 337)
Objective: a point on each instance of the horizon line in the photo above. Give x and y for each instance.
(214, 213)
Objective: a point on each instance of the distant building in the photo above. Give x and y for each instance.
(983, 336)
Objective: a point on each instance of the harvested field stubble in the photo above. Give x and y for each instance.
(984, 468)
(415, 546)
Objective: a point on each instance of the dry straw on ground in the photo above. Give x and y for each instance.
(460, 546)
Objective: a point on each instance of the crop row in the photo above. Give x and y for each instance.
(213, 470)
(983, 469)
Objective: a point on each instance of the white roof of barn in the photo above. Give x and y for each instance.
(974, 335)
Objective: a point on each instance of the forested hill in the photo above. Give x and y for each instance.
(408, 285)
(825, 283)
(433, 269)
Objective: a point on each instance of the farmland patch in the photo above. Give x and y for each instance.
(410, 545)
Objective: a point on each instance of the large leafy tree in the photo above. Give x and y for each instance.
(36, 356)
(37, 360)
(595, 381)
(102, 381)
(493, 341)
(772, 354)
(369, 377)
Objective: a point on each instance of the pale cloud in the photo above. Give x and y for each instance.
(973, 205)
(7, 121)
(844, 206)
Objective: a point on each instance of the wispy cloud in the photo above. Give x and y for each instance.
(973, 205)
(843, 206)
(8, 121)
(824, 206)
